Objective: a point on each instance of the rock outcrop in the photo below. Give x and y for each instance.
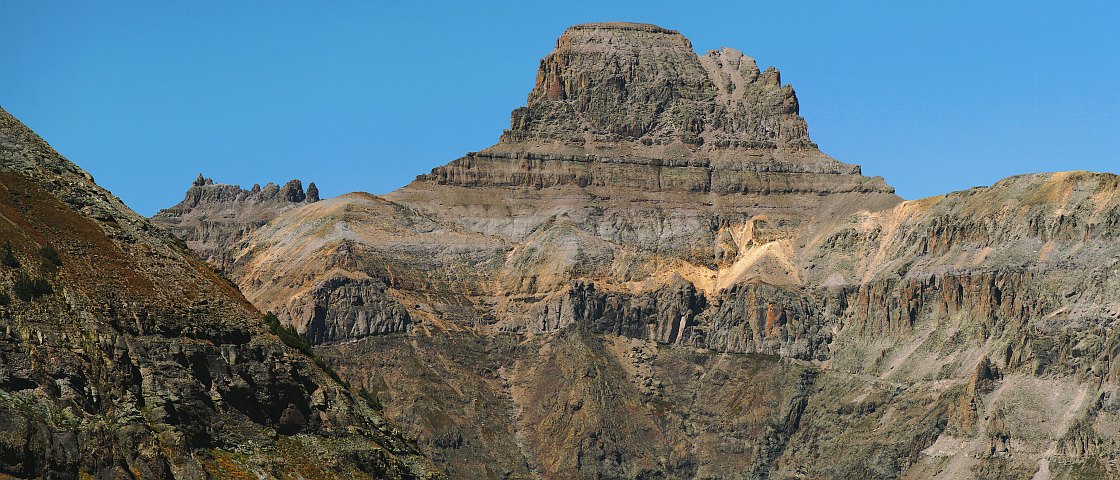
(359, 259)
(632, 90)
(656, 274)
(215, 217)
(124, 356)
(312, 193)
(631, 136)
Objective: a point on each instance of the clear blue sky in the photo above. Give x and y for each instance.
(933, 96)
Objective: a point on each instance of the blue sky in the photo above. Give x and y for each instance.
(933, 96)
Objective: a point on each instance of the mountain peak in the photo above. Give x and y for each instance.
(624, 26)
(632, 89)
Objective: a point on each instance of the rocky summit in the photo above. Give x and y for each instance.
(655, 273)
(639, 90)
(214, 216)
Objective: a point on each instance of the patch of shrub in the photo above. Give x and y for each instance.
(50, 254)
(291, 338)
(326, 367)
(5, 299)
(288, 335)
(24, 288)
(8, 257)
(28, 289)
(370, 399)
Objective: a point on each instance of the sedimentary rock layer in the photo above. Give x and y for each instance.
(656, 274)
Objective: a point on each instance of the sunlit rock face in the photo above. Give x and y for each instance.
(215, 217)
(634, 156)
(656, 274)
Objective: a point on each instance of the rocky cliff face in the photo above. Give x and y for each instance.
(631, 136)
(123, 356)
(213, 218)
(656, 274)
(634, 90)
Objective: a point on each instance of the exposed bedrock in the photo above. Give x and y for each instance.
(214, 217)
(656, 274)
(122, 355)
(341, 308)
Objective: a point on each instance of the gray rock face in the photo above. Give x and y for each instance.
(340, 308)
(312, 193)
(214, 218)
(335, 295)
(631, 137)
(632, 88)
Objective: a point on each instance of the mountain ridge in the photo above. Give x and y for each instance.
(131, 358)
(655, 250)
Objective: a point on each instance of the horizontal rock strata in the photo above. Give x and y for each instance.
(655, 273)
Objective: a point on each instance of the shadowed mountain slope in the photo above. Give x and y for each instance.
(124, 356)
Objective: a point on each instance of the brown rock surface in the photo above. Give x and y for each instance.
(632, 90)
(656, 274)
(362, 259)
(124, 356)
(632, 137)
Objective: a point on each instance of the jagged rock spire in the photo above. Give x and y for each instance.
(312, 193)
(293, 191)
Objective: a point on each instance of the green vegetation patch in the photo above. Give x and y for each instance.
(8, 257)
(28, 289)
(50, 255)
(291, 338)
